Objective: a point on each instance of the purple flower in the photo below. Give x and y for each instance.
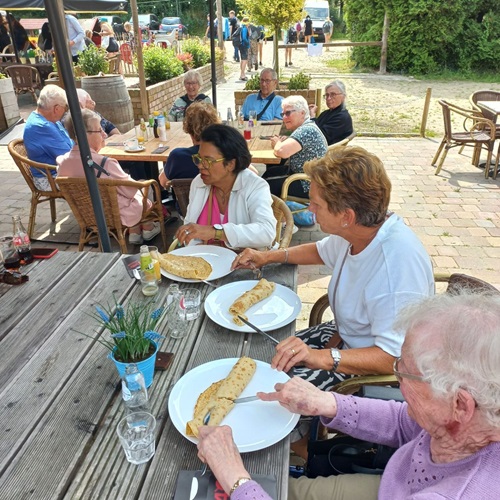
(151, 335)
(119, 335)
(102, 314)
(119, 311)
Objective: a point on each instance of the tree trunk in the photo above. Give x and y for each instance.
(276, 65)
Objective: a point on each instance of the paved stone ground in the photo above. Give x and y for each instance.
(455, 214)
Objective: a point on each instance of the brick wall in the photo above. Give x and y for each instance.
(162, 95)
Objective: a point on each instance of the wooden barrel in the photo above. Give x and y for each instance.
(111, 99)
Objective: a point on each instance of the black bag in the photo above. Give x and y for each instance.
(292, 35)
(236, 36)
(113, 45)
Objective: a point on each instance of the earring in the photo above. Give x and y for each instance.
(344, 224)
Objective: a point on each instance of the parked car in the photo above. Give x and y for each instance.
(169, 24)
(148, 21)
(116, 22)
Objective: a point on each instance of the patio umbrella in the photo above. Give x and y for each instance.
(81, 6)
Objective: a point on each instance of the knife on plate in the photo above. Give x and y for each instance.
(258, 330)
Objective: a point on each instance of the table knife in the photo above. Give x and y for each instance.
(258, 330)
(246, 400)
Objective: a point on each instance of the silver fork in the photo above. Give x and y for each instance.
(205, 465)
(256, 271)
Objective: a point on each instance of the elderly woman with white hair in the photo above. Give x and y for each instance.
(192, 83)
(447, 433)
(335, 122)
(306, 142)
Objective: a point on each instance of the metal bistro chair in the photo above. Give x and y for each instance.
(284, 224)
(76, 193)
(20, 157)
(24, 79)
(481, 132)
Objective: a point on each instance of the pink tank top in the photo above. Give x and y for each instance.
(217, 217)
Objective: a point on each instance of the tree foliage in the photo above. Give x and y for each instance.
(426, 36)
(277, 14)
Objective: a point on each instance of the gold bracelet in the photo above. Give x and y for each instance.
(286, 255)
(238, 483)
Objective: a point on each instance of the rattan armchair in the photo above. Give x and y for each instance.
(19, 155)
(486, 95)
(480, 133)
(24, 78)
(455, 283)
(76, 193)
(181, 190)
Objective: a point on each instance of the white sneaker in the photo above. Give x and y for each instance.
(135, 238)
(149, 235)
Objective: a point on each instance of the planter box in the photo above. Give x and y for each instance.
(310, 95)
(162, 95)
(9, 109)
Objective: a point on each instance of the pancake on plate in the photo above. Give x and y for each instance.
(260, 291)
(219, 397)
(186, 266)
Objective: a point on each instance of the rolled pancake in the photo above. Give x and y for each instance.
(186, 266)
(219, 397)
(260, 291)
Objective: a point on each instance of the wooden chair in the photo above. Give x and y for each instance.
(181, 190)
(343, 142)
(486, 95)
(24, 79)
(20, 157)
(76, 193)
(284, 224)
(456, 282)
(481, 132)
(127, 58)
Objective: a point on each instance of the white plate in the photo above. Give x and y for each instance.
(279, 309)
(256, 425)
(140, 148)
(220, 258)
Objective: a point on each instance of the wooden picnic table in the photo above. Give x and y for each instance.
(176, 138)
(61, 399)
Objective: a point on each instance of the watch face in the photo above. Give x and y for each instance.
(218, 227)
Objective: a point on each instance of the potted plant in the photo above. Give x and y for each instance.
(133, 336)
(93, 61)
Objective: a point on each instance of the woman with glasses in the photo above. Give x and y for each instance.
(192, 83)
(447, 432)
(228, 203)
(180, 165)
(335, 122)
(306, 142)
(130, 201)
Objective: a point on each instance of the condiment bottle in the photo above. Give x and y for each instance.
(21, 241)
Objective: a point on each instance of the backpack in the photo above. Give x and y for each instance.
(236, 36)
(298, 26)
(292, 35)
(327, 27)
(255, 32)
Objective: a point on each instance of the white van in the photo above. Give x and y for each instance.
(318, 11)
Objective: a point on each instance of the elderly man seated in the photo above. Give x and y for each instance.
(447, 432)
(44, 136)
(266, 103)
(86, 102)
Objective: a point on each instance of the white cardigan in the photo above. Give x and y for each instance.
(251, 220)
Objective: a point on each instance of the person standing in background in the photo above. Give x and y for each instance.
(233, 23)
(244, 46)
(76, 36)
(328, 31)
(308, 30)
(4, 33)
(18, 33)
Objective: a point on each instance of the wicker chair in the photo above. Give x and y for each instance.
(482, 132)
(76, 193)
(19, 155)
(284, 231)
(486, 95)
(181, 191)
(456, 283)
(24, 78)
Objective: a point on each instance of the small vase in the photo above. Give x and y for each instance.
(147, 366)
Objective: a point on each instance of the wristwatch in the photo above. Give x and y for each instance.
(219, 232)
(336, 356)
(238, 483)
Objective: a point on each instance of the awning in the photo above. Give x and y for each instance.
(79, 6)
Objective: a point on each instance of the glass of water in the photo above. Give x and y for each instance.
(137, 436)
(191, 303)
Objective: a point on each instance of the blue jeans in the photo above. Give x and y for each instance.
(236, 55)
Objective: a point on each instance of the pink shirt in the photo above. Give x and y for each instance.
(217, 217)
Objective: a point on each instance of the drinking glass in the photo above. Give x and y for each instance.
(9, 255)
(137, 436)
(252, 117)
(192, 303)
(153, 251)
(149, 284)
(247, 133)
(140, 135)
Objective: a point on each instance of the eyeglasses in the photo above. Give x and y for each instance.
(190, 83)
(288, 113)
(266, 80)
(332, 95)
(96, 131)
(410, 376)
(65, 106)
(206, 163)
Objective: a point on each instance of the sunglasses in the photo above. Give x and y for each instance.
(206, 163)
(288, 113)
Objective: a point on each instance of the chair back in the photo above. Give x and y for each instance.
(286, 185)
(446, 118)
(24, 78)
(459, 282)
(181, 190)
(282, 214)
(8, 49)
(343, 142)
(484, 95)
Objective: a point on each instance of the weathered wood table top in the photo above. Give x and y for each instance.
(61, 399)
(176, 138)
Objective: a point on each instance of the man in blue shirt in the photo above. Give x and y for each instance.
(76, 36)
(266, 103)
(44, 137)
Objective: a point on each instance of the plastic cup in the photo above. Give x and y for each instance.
(149, 284)
(140, 135)
(137, 436)
(192, 303)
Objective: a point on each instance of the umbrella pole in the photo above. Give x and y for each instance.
(11, 33)
(55, 14)
(212, 53)
(140, 60)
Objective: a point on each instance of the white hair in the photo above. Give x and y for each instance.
(298, 103)
(191, 75)
(51, 95)
(83, 95)
(458, 346)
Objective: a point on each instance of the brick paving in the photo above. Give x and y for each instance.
(454, 214)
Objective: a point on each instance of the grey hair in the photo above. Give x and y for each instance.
(83, 95)
(458, 346)
(51, 95)
(274, 75)
(87, 116)
(193, 75)
(298, 103)
(341, 86)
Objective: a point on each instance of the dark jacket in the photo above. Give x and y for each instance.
(336, 124)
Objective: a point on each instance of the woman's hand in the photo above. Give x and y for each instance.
(292, 352)
(249, 259)
(312, 110)
(216, 448)
(190, 232)
(299, 396)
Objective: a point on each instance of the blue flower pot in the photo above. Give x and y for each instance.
(147, 367)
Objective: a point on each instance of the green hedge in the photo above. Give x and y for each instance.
(161, 64)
